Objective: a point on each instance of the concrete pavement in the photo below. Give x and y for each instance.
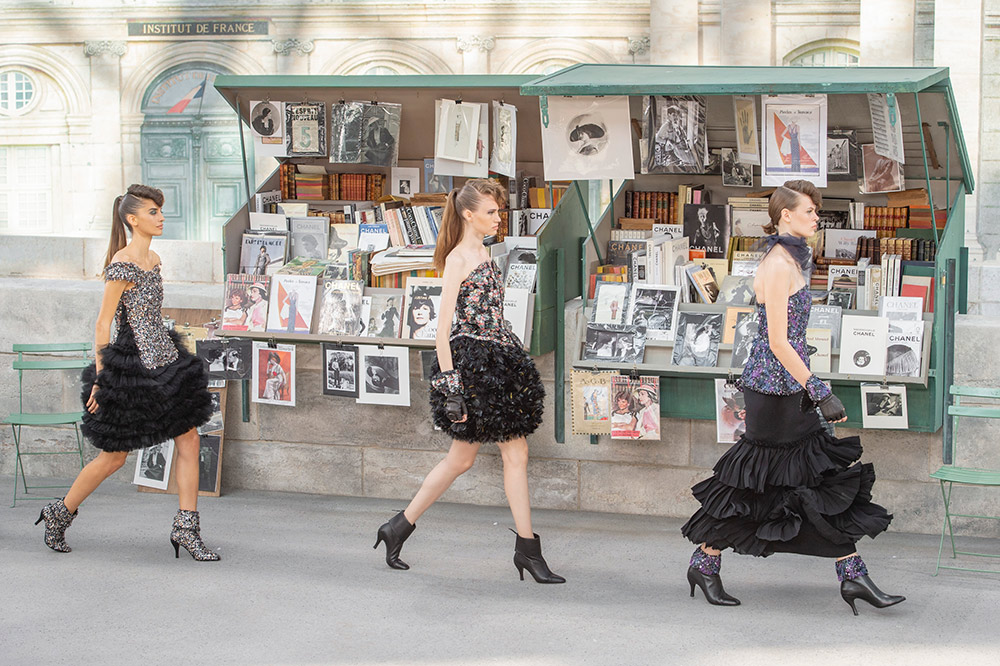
(300, 584)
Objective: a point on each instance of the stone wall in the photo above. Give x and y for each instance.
(333, 446)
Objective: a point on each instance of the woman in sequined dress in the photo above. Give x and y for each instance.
(484, 386)
(787, 485)
(144, 388)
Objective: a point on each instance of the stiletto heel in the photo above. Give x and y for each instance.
(528, 555)
(378, 540)
(177, 549)
(865, 589)
(394, 533)
(57, 520)
(692, 588)
(187, 533)
(41, 516)
(850, 602)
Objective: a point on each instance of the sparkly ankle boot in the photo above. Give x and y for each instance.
(57, 520)
(187, 533)
(703, 572)
(855, 584)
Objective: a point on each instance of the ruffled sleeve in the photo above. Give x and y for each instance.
(122, 270)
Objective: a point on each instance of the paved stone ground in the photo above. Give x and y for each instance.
(300, 584)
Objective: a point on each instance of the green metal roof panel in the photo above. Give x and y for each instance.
(707, 80)
(375, 81)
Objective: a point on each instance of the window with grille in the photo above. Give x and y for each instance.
(17, 91)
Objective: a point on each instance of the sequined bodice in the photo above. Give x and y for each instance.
(140, 307)
(479, 309)
(763, 372)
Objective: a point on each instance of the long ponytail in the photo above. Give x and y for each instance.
(125, 205)
(460, 200)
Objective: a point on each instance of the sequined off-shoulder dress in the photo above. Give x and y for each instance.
(150, 388)
(786, 485)
(502, 388)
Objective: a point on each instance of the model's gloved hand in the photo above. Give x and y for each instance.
(448, 382)
(454, 408)
(832, 408)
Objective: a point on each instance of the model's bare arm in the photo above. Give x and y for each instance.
(452, 278)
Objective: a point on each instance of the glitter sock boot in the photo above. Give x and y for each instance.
(704, 572)
(855, 584)
(187, 533)
(57, 520)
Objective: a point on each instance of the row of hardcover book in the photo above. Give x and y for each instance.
(329, 186)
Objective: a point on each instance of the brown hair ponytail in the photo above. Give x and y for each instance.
(460, 200)
(125, 205)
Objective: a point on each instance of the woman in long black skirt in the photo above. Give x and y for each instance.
(788, 485)
(144, 387)
(485, 387)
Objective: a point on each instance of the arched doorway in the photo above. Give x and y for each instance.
(191, 151)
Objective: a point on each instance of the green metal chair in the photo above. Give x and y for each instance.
(22, 418)
(950, 474)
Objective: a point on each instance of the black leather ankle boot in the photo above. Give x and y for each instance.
(715, 594)
(865, 589)
(394, 533)
(528, 555)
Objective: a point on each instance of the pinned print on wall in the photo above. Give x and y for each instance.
(458, 131)
(881, 174)
(591, 401)
(305, 127)
(267, 123)
(884, 406)
(365, 133)
(674, 134)
(445, 166)
(273, 374)
(384, 375)
(794, 139)
(502, 155)
(747, 143)
(586, 138)
(842, 155)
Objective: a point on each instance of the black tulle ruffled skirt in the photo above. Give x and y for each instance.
(138, 406)
(787, 486)
(503, 395)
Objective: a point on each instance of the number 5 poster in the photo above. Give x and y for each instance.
(305, 129)
(794, 139)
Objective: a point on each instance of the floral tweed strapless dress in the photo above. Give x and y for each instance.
(150, 388)
(786, 485)
(502, 388)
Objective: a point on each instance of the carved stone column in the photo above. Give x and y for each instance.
(673, 32)
(475, 50)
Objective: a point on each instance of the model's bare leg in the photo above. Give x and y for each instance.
(186, 469)
(97, 470)
(515, 483)
(459, 460)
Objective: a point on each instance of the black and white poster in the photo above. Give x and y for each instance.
(674, 134)
(305, 123)
(655, 307)
(842, 155)
(346, 122)
(384, 375)
(614, 343)
(209, 456)
(340, 309)
(423, 303)
(745, 333)
(502, 156)
(884, 406)
(384, 318)
(226, 358)
(365, 133)
(698, 337)
(267, 121)
(707, 225)
(586, 138)
(734, 172)
(152, 465)
(340, 370)
(216, 421)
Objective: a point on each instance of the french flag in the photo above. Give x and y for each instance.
(196, 92)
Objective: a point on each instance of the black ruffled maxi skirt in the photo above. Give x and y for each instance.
(787, 487)
(503, 392)
(139, 406)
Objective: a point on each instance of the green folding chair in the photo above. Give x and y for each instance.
(22, 418)
(951, 474)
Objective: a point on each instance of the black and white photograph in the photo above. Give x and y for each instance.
(215, 423)
(833, 219)
(747, 326)
(747, 143)
(736, 290)
(734, 172)
(210, 352)
(309, 237)
(842, 298)
(423, 303)
(340, 370)
(305, 123)
(587, 138)
(152, 465)
(405, 181)
(340, 309)
(842, 155)
(881, 174)
(267, 121)
(480, 166)
(614, 343)
(384, 316)
(674, 134)
(707, 225)
(209, 457)
(384, 375)
(380, 134)
(697, 340)
(502, 155)
(655, 307)
(346, 122)
(458, 132)
(343, 239)
(884, 406)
